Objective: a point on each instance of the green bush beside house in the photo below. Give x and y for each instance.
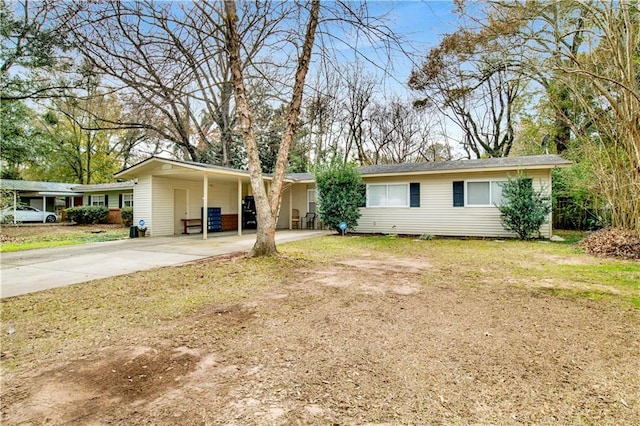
(523, 210)
(340, 194)
(87, 215)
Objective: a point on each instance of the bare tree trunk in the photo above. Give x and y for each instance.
(267, 206)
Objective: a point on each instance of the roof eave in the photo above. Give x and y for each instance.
(469, 170)
(51, 194)
(218, 170)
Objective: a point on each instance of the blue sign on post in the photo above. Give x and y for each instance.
(343, 227)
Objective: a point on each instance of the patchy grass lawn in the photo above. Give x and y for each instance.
(28, 237)
(569, 236)
(340, 330)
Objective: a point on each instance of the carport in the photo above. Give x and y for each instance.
(171, 193)
(42, 195)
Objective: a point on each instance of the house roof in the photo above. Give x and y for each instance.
(35, 186)
(60, 189)
(529, 162)
(510, 163)
(105, 186)
(487, 164)
(299, 176)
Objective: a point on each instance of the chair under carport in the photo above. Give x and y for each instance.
(295, 218)
(310, 220)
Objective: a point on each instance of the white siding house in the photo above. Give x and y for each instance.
(449, 198)
(435, 212)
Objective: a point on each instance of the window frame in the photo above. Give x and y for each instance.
(124, 201)
(490, 182)
(312, 200)
(407, 195)
(92, 201)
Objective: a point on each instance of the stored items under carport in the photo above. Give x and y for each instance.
(214, 219)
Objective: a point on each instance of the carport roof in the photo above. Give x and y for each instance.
(152, 162)
(35, 186)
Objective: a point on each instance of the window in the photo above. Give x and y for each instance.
(396, 195)
(478, 193)
(414, 194)
(485, 193)
(458, 194)
(311, 200)
(127, 200)
(496, 192)
(98, 200)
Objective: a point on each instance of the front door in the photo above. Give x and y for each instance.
(180, 209)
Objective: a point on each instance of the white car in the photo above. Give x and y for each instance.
(27, 214)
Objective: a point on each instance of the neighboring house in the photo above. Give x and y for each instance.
(50, 196)
(56, 197)
(115, 196)
(450, 198)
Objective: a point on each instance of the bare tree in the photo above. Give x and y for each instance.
(529, 37)
(360, 91)
(322, 119)
(267, 203)
(399, 133)
(476, 90)
(605, 82)
(169, 60)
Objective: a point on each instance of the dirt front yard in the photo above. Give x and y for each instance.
(338, 331)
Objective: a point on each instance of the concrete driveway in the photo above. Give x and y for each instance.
(34, 270)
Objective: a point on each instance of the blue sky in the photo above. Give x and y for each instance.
(422, 23)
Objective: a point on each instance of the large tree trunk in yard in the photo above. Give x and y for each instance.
(267, 206)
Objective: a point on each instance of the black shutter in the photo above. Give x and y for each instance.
(119, 201)
(458, 194)
(106, 200)
(89, 199)
(414, 194)
(363, 193)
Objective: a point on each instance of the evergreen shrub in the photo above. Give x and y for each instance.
(84, 215)
(340, 193)
(523, 209)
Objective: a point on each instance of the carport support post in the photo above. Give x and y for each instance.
(15, 206)
(205, 205)
(239, 206)
(44, 209)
